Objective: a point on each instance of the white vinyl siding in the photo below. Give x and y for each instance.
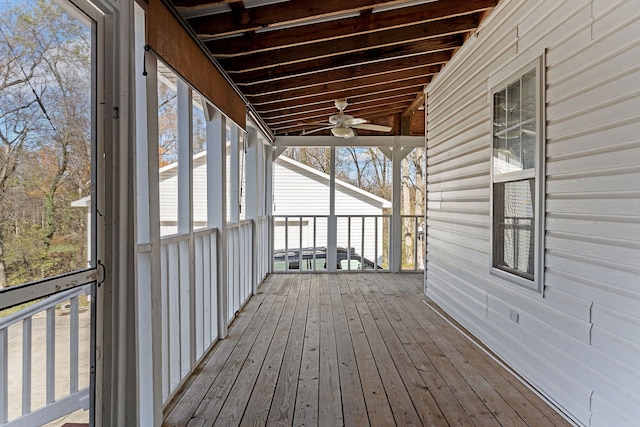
(297, 191)
(578, 343)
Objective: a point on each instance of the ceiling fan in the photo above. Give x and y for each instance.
(342, 125)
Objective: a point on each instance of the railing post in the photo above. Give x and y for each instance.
(332, 223)
(4, 382)
(26, 366)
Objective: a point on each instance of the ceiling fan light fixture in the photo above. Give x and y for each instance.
(341, 104)
(342, 132)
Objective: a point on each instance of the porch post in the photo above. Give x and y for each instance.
(332, 226)
(395, 245)
(217, 203)
(268, 203)
(185, 217)
(251, 181)
(147, 266)
(251, 198)
(234, 174)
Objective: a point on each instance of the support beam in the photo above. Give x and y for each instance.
(332, 226)
(437, 30)
(234, 175)
(185, 217)
(252, 166)
(268, 188)
(217, 204)
(361, 141)
(398, 153)
(148, 373)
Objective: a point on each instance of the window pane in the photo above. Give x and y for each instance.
(514, 126)
(46, 132)
(513, 227)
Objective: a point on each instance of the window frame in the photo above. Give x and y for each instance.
(496, 84)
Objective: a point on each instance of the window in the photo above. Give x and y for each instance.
(516, 177)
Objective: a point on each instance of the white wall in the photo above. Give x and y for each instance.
(580, 342)
(300, 192)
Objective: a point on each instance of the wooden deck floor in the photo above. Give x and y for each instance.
(354, 350)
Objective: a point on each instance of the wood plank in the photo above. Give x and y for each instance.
(429, 52)
(329, 396)
(240, 20)
(416, 84)
(266, 356)
(349, 73)
(401, 405)
(185, 404)
(474, 408)
(378, 407)
(359, 82)
(435, 31)
(353, 404)
(352, 349)
(257, 408)
(306, 404)
(419, 393)
(531, 408)
(511, 391)
(336, 29)
(208, 410)
(281, 408)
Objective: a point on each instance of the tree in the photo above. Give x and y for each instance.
(45, 127)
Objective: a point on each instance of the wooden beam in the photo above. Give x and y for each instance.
(328, 103)
(339, 62)
(339, 87)
(414, 105)
(335, 29)
(171, 42)
(240, 21)
(324, 114)
(431, 30)
(416, 83)
(347, 74)
(367, 114)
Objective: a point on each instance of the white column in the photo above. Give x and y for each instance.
(251, 200)
(268, 194)
(252, 168)
(185, 217)
(148, 299)
(217, 203)
(395, 244)
(234, 166)
(332, 226)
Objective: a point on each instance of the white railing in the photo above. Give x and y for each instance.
(240, 274)
(262, 245)
(189, 327)
(300, 242)
(413, 235)
(49, 342)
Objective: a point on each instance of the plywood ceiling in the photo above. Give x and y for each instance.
(292, 59)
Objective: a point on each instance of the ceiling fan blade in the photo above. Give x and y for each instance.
(376, 128)
(354, 121)
(307, 132)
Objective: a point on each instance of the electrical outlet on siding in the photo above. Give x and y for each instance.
(514, 315)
